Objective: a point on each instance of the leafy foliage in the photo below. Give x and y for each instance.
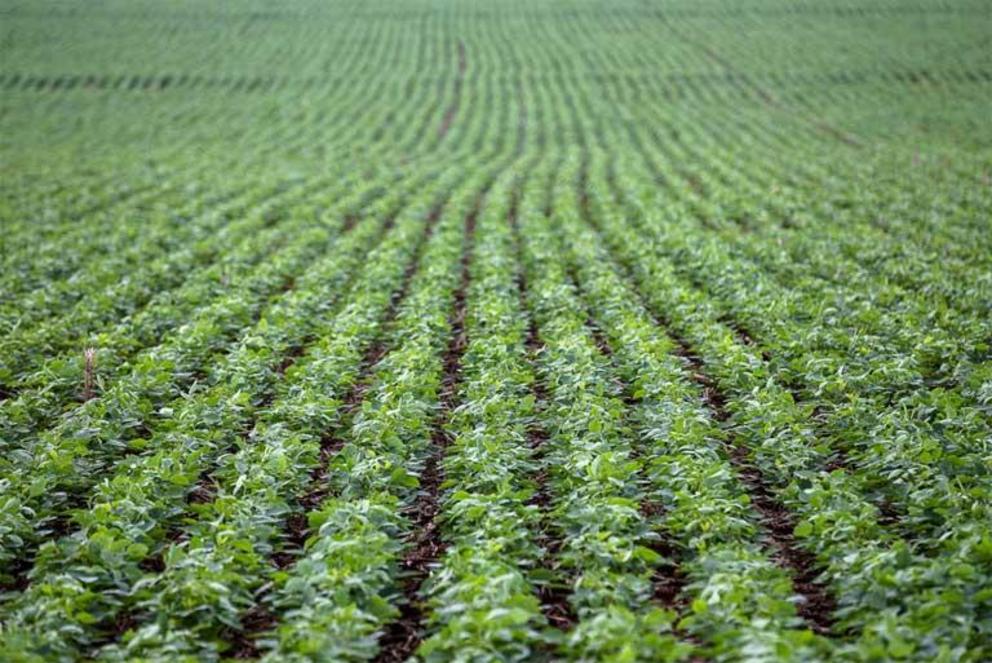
(573, 330)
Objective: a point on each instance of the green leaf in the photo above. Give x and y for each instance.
(85, 618)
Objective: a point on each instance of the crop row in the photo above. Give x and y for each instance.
(204, 432)
(838, 524)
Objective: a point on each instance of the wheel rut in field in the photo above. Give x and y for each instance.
(763, 94)
(452, 109)
(778, 522)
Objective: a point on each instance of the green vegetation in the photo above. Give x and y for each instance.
(642, 330)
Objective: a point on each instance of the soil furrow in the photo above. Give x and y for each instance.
(817, 605)
(555, 605)
(668, 580)
(452, 110)
(295, 529)
(332, 442)
(402, 636)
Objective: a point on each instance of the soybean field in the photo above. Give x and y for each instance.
(496, 330)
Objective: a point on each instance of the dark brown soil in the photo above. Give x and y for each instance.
(669, 581)
(204, 491)
(402, 636)
(257, 620)
(818, 604)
